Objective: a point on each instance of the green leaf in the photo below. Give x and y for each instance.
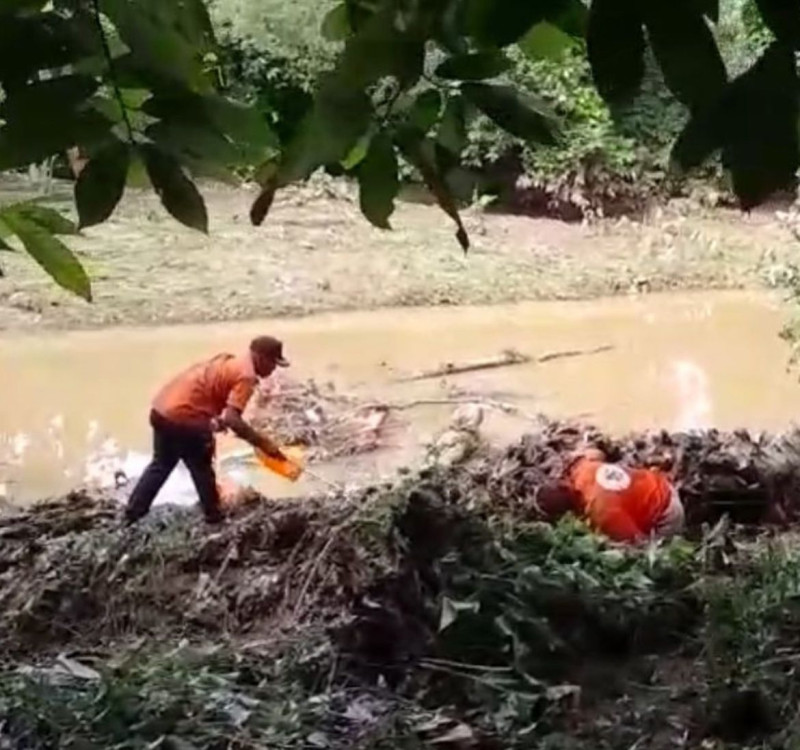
(42, 98)
(378, 181)
(422, 154)
(686, 51)
(521, 116)
(700, 137)
(44, 118)
(760, 116)
(755, 125)
(101, 183)
(616, 44)
(571, 16)
(50, 253)
(357, 153)
(47, 218)
(381, 49)
(474, 66)
(452, 133)
(546, 42)
(336, 24)
(170, 38)
(340, 116)
(262, 204)
(498, 23)
(29, 44)
(783, 19)
(425, 110)
(177, 192)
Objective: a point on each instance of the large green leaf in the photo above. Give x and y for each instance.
(760, 119)
(232, 132)
(498, 23)
(545, 41)
(45, 117)
(101, 183)
(47, 218)
(170, 38)
(336, 24)
(49, 252)
(424, 112)
(755, 125)
(29, 44)
(339, 118)
(46, 98)
(379, 49)
(702, 136)
(378, 181)
(783, 19)
(616, 44)
(686, 51)
(452, 133)
(178, 193)
(422, 154)
(474, 66)
(520, 115)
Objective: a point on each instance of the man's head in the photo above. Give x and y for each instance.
(554, 501)
(267, 353)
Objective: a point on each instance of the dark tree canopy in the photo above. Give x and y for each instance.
(134, 83)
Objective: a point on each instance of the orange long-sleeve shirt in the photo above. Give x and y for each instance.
(624, 504)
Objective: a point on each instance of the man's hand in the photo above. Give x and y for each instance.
(271, 448)
(232, 419)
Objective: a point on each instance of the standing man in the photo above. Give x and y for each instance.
(208, 397)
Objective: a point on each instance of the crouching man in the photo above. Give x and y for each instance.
(208, 397)
(626, 504)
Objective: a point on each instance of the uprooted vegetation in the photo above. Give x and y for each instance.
(432, 612)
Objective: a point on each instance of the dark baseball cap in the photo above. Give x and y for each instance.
(270, 347)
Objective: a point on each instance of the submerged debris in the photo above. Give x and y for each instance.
(328, 424)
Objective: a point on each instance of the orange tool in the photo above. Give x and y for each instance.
(290, 468)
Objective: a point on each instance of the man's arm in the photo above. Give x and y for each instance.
(233, 420)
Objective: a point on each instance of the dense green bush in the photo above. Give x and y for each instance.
(604, 162)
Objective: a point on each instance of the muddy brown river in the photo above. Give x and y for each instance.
(678, 361)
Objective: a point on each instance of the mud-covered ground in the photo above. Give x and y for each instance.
(435, 612)
(316, 252)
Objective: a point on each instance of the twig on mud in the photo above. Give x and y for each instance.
(570, 353)
(313, 572)
(491, 403)
(506, 359)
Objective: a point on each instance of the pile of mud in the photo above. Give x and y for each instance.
(71, 571)
(326, 423)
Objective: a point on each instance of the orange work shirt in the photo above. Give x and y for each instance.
(624, 504)
(203, 391)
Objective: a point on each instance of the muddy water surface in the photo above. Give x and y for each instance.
(678, 361)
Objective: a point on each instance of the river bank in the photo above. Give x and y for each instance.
(434, 612)
(317, 253)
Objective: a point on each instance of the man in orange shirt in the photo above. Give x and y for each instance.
(208, 397)
(627, 505)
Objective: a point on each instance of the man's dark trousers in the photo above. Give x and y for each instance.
(173, 442)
